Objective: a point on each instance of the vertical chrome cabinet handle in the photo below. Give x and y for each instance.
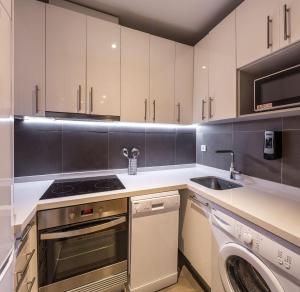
(210, 115)
(178, 114)
(269, 22)
(92, 100)
(30, 284)
(154, 111)
(37, 99)
(286, 12)
(79, 99)
(202, 109)
(145, 116)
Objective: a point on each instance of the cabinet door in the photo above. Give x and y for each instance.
(162, 69)
(134, 75)
(195, 236)
(6, 63)
(184, 60)
(201, 68)
(29, 62)
(103, 67)
(222, 70)
(289, 22)
(252, 28)
(65, 60)
(7, 6)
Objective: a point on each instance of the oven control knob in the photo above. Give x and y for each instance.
(72, 216)
(247, 238)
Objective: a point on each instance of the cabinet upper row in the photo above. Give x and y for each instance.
(256, 29)
(89, 66)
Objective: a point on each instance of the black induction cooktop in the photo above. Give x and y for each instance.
(81, 186)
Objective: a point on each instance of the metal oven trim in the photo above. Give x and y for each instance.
(83, 231)
(71, 214)
(87, 278)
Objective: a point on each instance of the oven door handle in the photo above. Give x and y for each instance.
(83, 231)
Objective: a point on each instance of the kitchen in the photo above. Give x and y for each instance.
(149, 145)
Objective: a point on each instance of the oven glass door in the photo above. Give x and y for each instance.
(78, 249)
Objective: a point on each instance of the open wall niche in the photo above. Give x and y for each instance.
(283, 59)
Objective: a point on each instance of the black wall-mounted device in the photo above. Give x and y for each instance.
(272, 145)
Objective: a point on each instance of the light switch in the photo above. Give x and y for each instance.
(203, 148)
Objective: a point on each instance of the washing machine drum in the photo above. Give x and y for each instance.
(242, 271)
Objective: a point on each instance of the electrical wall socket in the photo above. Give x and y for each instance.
(203, 148)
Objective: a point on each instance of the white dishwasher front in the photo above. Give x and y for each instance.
(153, 241)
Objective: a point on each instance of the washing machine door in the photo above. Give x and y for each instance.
(242, 271)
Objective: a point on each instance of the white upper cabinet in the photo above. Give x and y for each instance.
(135, 46)
(162, 69)
(257, 26)
(289, 22)
(222, 101)
(65, 60)
(103, 67)
(184, 60)
(7, 6)
(5, 64)
(29, 61)
(200, 93)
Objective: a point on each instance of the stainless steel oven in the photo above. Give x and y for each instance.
(84, 247)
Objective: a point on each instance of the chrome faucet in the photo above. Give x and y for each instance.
(232, 170)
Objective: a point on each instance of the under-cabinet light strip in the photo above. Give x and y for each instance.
(41, 120)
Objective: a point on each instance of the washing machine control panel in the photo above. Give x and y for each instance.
(264, 245)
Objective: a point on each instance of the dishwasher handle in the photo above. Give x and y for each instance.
(156, 205)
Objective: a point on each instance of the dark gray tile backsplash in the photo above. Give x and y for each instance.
(38, 148)
(45, 148)
(246, 139)
(160, 148)
(291, 158)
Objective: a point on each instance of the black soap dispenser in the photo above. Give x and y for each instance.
(272, 145)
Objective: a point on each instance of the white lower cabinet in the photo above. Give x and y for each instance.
(195, 234)
(29, 73)
(26, 274)
(162, 78)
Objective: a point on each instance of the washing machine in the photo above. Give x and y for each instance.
(250, 259)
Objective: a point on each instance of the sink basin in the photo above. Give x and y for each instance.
(215, 183)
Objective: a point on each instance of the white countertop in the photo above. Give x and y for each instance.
(271, 206)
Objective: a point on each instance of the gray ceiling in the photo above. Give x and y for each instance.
(185, 21)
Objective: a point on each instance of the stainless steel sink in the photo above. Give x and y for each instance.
(215, 183)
